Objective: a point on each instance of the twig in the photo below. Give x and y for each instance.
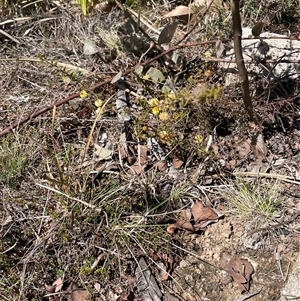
(71, 198)
(64, 66)
(268, 175)
(9, 36)
(10, 248)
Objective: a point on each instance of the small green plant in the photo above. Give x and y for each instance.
(174, 114)
(253, 201)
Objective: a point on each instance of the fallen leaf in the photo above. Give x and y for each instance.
(146, 283)
(180, 10)
(89, 47)
(161, 165)
(141, 161)
(143, 155)
(116, 77)
(244, 148)
(201, 213)
(220, 47)
(177, 163)
(156, 75)
(123, 151)
(49, 289)
(102, 152)
(168, 265)
(136, 169)
(167, 34)
(203, 216)
(184, 220)
(78, 294)
(57, 285)
(258, 146)
(164, 275)
(131, 158)
(239, 269)
(185, 225)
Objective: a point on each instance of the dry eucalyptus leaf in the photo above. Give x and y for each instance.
(239, 269)
(201, 213)
(184, 220)
(161, 165)
(78, 294)
(180, 10)
(177, 163)
(136, 169)
(143, 155)
(145, 282)
(185, 225)
(167, 33)
(131, 157)
(258, 146)
(116, 78)
(58, 284)
(89, 47)
(203, 216)
(220, 47)
(244, 148)
(49, 289)
(102, 152)
(156, 75)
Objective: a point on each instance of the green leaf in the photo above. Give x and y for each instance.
(156, 75)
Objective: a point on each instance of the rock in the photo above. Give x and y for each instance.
(291, 289)
(284, 53)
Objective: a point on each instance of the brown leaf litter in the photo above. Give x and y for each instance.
(75, 293)
(195, 219)
(239, 269)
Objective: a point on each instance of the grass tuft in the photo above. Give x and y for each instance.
(254, 201)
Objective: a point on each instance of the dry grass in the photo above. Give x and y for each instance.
(67, 215)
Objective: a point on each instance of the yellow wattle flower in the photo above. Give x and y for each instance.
(83, 94)
(164, 116)
(155, 110)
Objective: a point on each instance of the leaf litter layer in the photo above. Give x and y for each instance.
(140, 179)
